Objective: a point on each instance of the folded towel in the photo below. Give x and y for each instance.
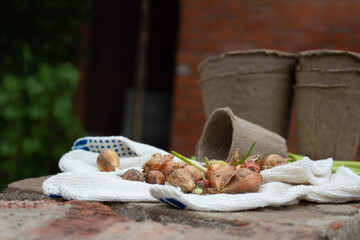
(300, 172)
(343, 186)
(283, 185)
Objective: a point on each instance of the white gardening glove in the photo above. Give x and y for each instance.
(79, 169)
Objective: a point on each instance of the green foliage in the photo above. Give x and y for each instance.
(38, 80)
(37, 120)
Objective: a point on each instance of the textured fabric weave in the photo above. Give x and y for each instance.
(343, 186)
(283, 185)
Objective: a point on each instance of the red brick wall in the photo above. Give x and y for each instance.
(210, 27)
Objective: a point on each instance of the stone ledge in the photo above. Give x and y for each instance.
(49, 219)
(333, 221)
(303, 221)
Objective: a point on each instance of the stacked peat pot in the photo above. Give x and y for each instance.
(327, 98)
(256, 85)
(257, 88)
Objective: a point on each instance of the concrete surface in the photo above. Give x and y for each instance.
(28, 214)
(27, 189)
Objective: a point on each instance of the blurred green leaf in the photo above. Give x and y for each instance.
(45, 73)
(36, 113)
(62, 107)
(11, 84)
(68, 74)
(34, 87)
(12, 112)
(11, 134)
(8, 149)
(4, 99)
(31, 146)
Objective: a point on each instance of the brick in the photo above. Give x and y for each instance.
(187, 80)
(48, 219)
(335, 225)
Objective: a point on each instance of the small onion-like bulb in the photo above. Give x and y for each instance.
(155, 177)
(108, 161)
(133, 175)
(274, 160)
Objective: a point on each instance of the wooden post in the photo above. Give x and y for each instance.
(141, 69)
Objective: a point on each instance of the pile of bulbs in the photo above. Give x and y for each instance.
(210, 177)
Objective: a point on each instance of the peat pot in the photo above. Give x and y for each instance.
(224, 132)
(257, 85)
(327, 102)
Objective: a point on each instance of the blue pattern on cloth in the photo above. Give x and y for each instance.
(99, 144)
(55, 196)
(173, 202)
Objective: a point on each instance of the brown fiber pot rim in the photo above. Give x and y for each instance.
(323, 52)
(269, 52)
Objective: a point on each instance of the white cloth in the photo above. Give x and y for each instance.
(343, 186)
(300, 172)
(81, 175)
(96, 186)
(132, 154)
(283, 185)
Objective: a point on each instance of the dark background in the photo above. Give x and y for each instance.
(69, 69)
